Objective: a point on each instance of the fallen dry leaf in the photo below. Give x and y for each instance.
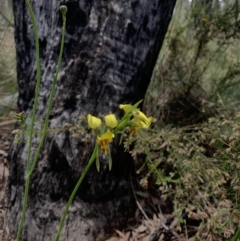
(122, 235)
(113, 239)
(3, 153)
(141, 229)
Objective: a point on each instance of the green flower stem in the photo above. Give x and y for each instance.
(37, 88)
(236, 236)
(29, 172)
(46, 121)
(33, 117)
(93, 157)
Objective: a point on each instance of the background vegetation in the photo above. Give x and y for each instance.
(191, 156)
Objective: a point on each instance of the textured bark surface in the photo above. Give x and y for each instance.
(110, 51)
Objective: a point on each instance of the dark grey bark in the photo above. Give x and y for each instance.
(110, 51)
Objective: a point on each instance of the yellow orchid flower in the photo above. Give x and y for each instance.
(104, 140)
(141, 119)
(111, 120)
(138, 123)
(93, 121)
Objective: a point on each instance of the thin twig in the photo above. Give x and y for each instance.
(167, 228)
(138, 204)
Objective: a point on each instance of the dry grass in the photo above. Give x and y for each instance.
(7, 61)
(8, 80)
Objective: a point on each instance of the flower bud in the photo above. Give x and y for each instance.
(111, 120)
(93, 121)
(126, 108)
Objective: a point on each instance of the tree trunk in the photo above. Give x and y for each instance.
(110, 51)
